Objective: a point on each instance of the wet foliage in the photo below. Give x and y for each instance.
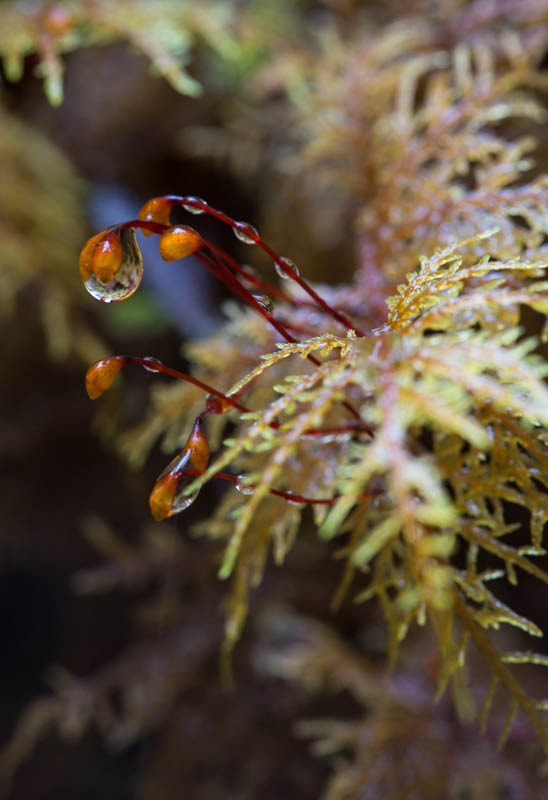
(365, 434)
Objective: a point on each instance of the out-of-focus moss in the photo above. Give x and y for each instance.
(42, 222)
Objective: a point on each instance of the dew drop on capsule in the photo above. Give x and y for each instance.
(286, 268)
(244, 488)
(245, 232)
(265, 302)
(167, 497)
(194, 209)
(127, 278)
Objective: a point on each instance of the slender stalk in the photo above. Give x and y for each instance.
(220, 215)
(151, 364)
(292, 497)
(215, 264)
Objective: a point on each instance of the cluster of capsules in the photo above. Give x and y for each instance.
(111, 268)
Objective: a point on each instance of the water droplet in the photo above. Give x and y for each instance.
(167, 497)
(286, 268)
(150, 362)
(291, 502)
(194, 209)
(243, 487)
(245, 232)
(124, 279)
(329, 438)
(265, 302)
(178, 242)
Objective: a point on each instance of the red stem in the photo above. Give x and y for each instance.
(293, 497)
(220, 215)
(223, 273)
(153, 364)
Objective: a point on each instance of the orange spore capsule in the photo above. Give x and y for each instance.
(106, 257)
(178, 242)
(86, 266)
(101, 375)
(111, 265)
(162, 496)
(156, 210)
(167, 497)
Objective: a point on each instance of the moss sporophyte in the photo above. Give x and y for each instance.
(341, 430)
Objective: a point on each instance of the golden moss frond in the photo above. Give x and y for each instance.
(164, 31)
(440, 364)
(365, 750)
(41, 227)
(409, 409)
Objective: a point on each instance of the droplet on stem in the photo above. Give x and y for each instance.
(265, 302)
(156, 210)
(149, 363)
(245, 232)
(292, 502)
(194, 209)
(111, 265)
(243, 487)
(179, 241)
(167, 497)
(286, 268)
(101, 375)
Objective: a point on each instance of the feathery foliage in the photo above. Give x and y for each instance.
(408, 409)
(42, 224)
(164, 31)
(447, 388)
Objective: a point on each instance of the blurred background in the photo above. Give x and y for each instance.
(121, 133)
(110, 624)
